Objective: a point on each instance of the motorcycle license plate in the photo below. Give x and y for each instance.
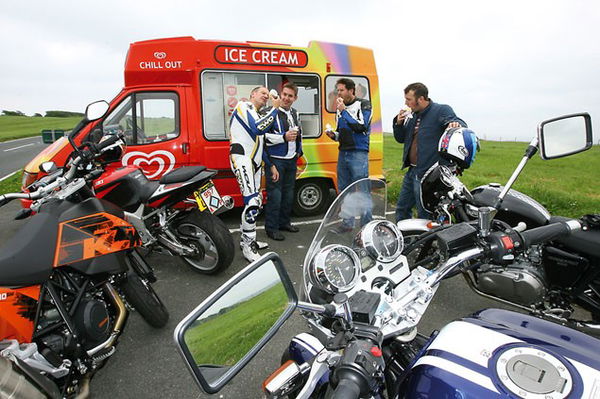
(207, 197)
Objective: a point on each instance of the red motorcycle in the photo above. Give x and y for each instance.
(194, 234)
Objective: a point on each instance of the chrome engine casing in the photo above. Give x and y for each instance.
(520, 282)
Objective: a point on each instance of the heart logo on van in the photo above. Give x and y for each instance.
(161, 55)
(154, 164)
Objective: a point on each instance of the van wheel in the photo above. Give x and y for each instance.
(310, 197)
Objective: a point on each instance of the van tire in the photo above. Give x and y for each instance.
(311, 197)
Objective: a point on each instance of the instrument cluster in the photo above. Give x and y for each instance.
(376, 249)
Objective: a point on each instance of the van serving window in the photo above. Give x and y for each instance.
(361, 90)
(155, 118)
(221, 92)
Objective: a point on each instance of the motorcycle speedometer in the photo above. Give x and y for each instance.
(382, 240)
(335, 268)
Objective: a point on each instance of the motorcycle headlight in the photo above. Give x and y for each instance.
(382, 240)
(335, 268)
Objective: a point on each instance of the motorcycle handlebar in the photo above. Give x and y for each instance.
(549, 232)
(346, 389)
(108, 142)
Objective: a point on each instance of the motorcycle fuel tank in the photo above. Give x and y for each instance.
(516, 206)
(498, 354)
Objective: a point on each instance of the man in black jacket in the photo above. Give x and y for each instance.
(419, 129)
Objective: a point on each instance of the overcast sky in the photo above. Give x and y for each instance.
(503, 66)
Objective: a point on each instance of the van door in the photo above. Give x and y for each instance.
(155, 133)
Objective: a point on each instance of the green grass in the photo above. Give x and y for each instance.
(564, 186)
(12, 184)
(225, 338)
(14, 127)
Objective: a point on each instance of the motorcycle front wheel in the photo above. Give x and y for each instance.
(211, 240)
(144, 299)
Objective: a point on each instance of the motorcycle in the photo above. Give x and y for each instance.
(67, 279)
(548, 279)
(363, 303)
(193, 234)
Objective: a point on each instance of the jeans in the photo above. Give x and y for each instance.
(280, 194)
(352, 166)
(410, 196)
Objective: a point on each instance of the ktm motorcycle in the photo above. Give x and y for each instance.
(548, 278)
(66, 281)
(194, 234)
(363, 302)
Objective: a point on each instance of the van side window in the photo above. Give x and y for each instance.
(307, 104)
(221, 92)
(361, 90)
(154, 118)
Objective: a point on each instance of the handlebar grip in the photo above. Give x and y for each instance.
(346, 389)
(545, 233)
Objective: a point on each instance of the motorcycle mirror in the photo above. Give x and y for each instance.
(96, 110)
(565, 135)
(220, 336)
(48, 167)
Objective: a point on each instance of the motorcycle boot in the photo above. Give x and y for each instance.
(250, 251)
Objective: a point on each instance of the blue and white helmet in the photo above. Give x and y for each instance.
(459, 145)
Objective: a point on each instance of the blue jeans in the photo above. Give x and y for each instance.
(352, 166)
(410, 196)
(280, 194)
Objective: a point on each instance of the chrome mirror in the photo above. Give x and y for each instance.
(228, 329)
(566, 135)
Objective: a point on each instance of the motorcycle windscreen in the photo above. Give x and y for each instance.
(92, 236)
(360, 203)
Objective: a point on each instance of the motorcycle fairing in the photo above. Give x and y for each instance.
(18, 307)
(516, 206)
(92, 236)
(126, 187)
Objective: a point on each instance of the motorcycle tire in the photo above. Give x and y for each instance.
(209, 235)
(144, 299)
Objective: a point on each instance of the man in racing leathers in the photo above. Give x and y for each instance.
(246, 131)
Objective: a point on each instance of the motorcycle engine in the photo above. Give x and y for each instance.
(521, 281)
(93, 320)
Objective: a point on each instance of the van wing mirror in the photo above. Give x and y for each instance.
(565, 135)
(220, 336)
(96, 110)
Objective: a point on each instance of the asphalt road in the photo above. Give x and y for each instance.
(147, 363)
(15, 154)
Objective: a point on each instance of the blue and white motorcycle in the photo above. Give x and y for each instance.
(363, 303)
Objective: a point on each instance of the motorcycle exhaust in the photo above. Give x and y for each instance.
(227, 204)
(121, 317)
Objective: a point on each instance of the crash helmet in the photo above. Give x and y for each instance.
(115, 153)
(459, 146)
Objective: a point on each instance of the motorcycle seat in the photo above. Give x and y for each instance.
(147, 189)
(583, 242)
(27, 258)
(181, 174)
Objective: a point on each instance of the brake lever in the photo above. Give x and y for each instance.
(323, 361)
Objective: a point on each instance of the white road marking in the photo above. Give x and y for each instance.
(21, 146)
(24, 138)
(306, 222)
(9, 175)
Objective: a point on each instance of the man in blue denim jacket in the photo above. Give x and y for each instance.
(420, 129)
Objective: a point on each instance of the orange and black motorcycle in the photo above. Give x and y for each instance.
(66, 279)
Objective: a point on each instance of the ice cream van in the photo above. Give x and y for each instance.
(180, 92)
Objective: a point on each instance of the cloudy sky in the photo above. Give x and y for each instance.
(503, 66)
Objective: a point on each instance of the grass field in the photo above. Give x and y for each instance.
(14, 127)
(564, 186)
(223, 339)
